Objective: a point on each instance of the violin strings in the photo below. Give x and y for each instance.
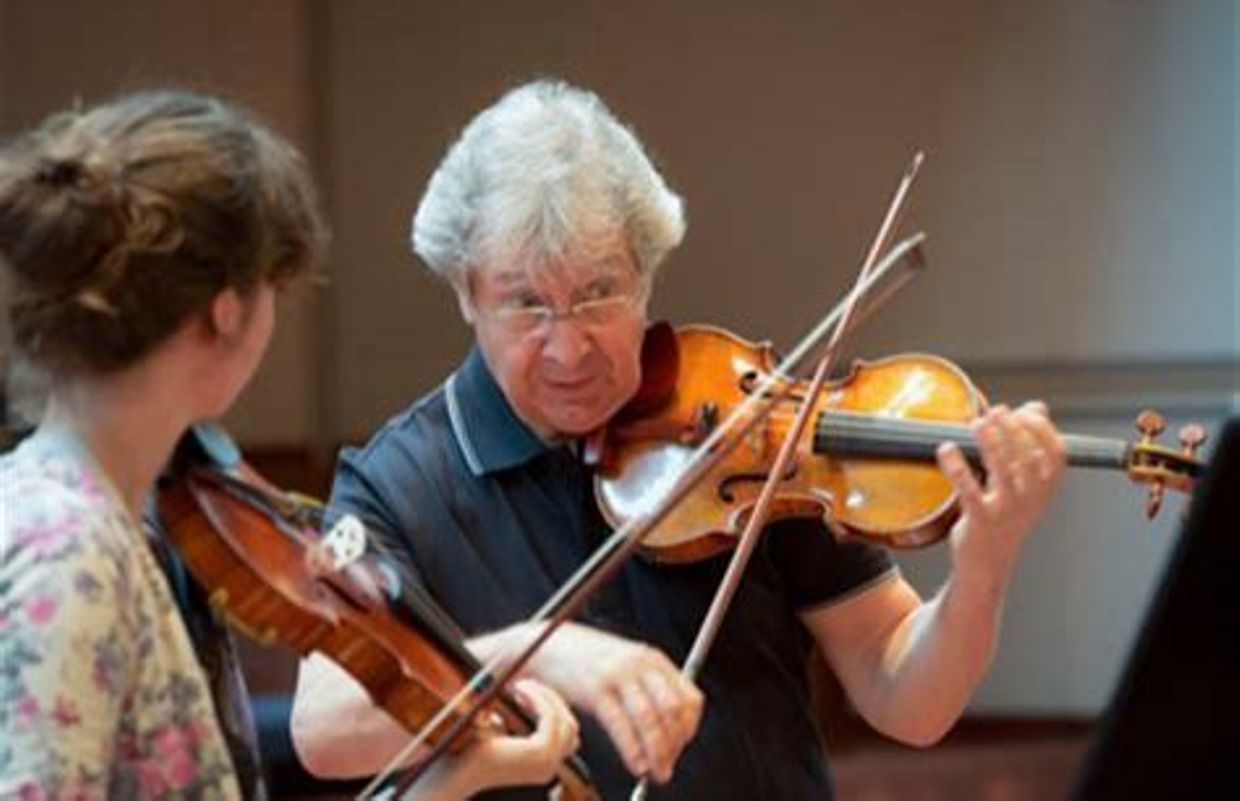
(859, 428)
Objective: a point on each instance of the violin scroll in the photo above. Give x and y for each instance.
(1161, 467)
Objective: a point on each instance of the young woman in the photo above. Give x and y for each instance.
(143, 242)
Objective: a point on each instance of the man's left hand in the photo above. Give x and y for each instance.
(1024, 457)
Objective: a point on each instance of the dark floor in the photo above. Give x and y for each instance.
(1019, 770)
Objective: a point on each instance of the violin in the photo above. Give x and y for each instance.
(865, 465)
(270, 574)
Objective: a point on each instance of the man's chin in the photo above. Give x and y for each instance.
(578, 426)
(577, 413)
(576, 421)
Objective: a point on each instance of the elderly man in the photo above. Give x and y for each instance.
(549, 221)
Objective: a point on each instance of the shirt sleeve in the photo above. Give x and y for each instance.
(358, 488)
(377, 487)
(817, 569)
(66, 655)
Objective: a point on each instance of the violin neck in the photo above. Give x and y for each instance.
(847, 434)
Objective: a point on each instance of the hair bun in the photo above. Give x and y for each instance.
(121, 223)
(60, 172)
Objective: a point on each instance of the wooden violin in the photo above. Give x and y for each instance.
(865, 466)
(267, 570)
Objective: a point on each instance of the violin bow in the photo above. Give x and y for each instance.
(898, 266)
(728, 586)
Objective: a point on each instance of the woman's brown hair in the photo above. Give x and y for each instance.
(120, 222)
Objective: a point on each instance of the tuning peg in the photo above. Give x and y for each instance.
(1191, 437)
(1154, 499)
(1150, 424)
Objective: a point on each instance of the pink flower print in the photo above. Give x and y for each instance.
(41, 609)
(66, 712)
(173, 745)
(151, 778)
(127, 746)
(199, 730)
(172, 740)
(89, 486)
(31, 792)
(27, 710)
(181, 771)
(47, 540)
(78, 792)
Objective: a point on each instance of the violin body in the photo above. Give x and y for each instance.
(893, 502)
(865, 465)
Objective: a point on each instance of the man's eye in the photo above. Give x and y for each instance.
(523, 302)
(599, 291)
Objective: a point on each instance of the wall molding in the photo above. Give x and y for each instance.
(1208, 388)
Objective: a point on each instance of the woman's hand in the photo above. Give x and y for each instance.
(507, 760)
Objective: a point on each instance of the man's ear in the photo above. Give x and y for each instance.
(226, 315)
(464, 297)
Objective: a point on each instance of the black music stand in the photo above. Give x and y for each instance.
(1172, 729)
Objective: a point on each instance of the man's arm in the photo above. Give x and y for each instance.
(636, 693)
(329, 749)
(337, 731)
(909, 666)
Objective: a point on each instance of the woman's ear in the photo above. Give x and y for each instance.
(226, 316)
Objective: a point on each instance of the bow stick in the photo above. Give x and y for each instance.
(757, 519)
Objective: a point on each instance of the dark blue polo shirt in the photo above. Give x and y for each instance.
(492, 520)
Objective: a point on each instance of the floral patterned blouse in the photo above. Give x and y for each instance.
(101, 695)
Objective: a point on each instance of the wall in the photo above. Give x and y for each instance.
(1074, 193)
(53, 54)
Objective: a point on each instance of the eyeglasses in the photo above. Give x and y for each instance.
(527, 316)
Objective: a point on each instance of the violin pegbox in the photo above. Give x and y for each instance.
(1160, 467)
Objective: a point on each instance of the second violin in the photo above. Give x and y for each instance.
(257, 552)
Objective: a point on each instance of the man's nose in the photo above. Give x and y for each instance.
(567, 342)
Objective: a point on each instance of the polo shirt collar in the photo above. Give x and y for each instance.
(490, 434)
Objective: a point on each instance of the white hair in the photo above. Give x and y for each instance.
(545, 173)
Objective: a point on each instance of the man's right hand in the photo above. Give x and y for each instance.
(647, 708)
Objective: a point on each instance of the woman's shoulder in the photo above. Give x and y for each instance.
(66, 541)
(56, 508)
(106, 692)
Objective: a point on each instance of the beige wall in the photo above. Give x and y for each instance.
(56, 52)
(1076, 193)
(1079, 197)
